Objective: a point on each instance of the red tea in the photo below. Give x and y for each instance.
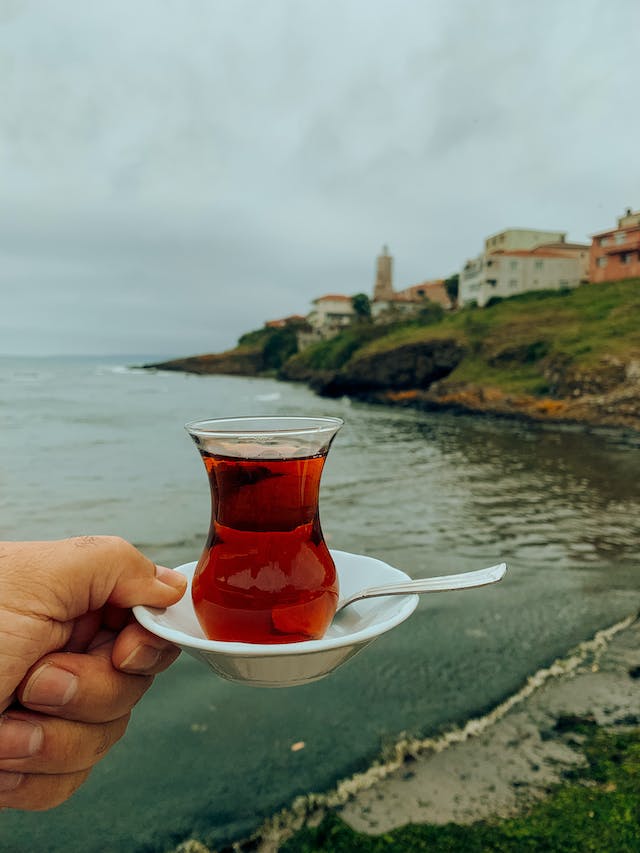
(266, 575)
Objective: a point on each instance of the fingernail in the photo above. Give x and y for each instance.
(19, 738)
(9, 781)
(50, 685)
(170, 578)
(142, 659)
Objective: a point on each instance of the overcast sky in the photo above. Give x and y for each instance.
(176, 172)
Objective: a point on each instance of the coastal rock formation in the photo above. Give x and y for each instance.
(618, 406)
(235, 362)
(412, 365)
(567, 380)
(416, 374)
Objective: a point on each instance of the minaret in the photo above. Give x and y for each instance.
(383, 289)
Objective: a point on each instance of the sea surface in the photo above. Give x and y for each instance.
(92, 446)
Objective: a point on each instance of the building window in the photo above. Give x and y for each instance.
(513, 283)
(620, 237)
(538, 265)
(604, 241)
(514, 265)
(625, 258)
(563, 283)
(602, 262)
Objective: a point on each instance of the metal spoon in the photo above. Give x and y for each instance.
(466, 580)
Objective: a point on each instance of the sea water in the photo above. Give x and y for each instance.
(428, 493)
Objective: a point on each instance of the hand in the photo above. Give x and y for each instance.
(73, 663)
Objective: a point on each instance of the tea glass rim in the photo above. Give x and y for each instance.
(296, 425)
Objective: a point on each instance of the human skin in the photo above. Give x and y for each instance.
(73, 662)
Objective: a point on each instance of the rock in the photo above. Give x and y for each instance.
(408, 366)
(232, 363)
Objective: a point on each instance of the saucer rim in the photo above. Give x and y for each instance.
(146, 616)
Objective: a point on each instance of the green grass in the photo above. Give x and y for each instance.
(511, 344)
(336, 352)
(596, 809)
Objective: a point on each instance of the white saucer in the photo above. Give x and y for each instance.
(289, 664)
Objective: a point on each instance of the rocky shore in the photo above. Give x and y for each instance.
(234, 362)
(417, 375)
(495, 766)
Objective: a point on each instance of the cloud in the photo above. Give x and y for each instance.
(190, 170)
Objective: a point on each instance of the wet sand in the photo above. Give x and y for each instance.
(513, 761)
(496, 764)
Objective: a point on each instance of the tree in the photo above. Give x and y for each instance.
(362, 306)
(451, 286)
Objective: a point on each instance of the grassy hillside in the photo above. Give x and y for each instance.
(536, 343)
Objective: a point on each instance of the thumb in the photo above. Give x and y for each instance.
(65, 579)
(111, 571)
(44, 586)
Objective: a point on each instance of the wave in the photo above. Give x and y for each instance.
(120, 369)
(268, 398)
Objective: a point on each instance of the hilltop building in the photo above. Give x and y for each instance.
(433, 290)
(615, 253)
(386, 300)
(331, 313)
(291, 320)
(520, 260)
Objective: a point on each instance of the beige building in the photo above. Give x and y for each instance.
(411, 299)
(519, 261)
(521, 238)
(434, 291)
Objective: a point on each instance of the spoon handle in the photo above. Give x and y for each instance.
(465, 580)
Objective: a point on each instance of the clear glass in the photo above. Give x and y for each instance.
(265, 574)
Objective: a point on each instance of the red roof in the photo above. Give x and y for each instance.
(283, 321)
(333, 297)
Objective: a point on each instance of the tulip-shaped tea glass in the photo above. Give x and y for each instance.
(266, 574)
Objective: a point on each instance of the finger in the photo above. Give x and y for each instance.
(36, 743)
(137, 650)
(37, 793)
(84, 630)
(115, 617)
(118, 574)
(73, 576)
(85, 687)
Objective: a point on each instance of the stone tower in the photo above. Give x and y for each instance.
(383, 289)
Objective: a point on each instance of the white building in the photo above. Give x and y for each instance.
(330, 314)
(519, 261)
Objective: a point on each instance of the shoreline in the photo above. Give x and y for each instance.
(493, 766)
(570, 357)
(617, 410)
